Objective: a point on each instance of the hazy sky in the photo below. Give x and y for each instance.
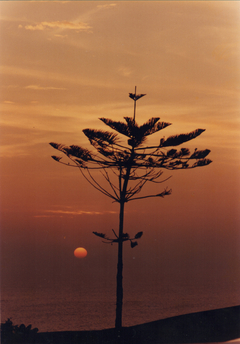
(64, 65)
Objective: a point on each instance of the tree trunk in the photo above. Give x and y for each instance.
(118, 322)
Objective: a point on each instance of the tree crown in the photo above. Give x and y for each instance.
(134, 161)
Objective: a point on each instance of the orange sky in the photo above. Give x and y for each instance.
(64, 65)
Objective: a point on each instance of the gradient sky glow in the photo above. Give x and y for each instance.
(64, 65)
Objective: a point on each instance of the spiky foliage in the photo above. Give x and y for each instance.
(125, 237)
(134, 161)
(137, 135)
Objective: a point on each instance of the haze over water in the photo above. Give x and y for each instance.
(74, 308)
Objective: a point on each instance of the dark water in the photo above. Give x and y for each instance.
(74, 307)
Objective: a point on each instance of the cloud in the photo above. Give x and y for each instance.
(37, 87)
(43, 75)
(50, 213)
(61, 36)
(10, 86)
(107, 6)
(8, 102)
(59, 24)
(124, 71)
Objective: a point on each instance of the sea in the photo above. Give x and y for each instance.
(70, 308)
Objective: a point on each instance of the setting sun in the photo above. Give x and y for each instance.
(80, 252)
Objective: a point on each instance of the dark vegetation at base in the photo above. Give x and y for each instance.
(204, 327)
(11, 334)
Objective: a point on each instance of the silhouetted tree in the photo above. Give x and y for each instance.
(133, 166)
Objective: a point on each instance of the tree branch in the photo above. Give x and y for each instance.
(164, 193)
(97, 186)
(113, 187)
